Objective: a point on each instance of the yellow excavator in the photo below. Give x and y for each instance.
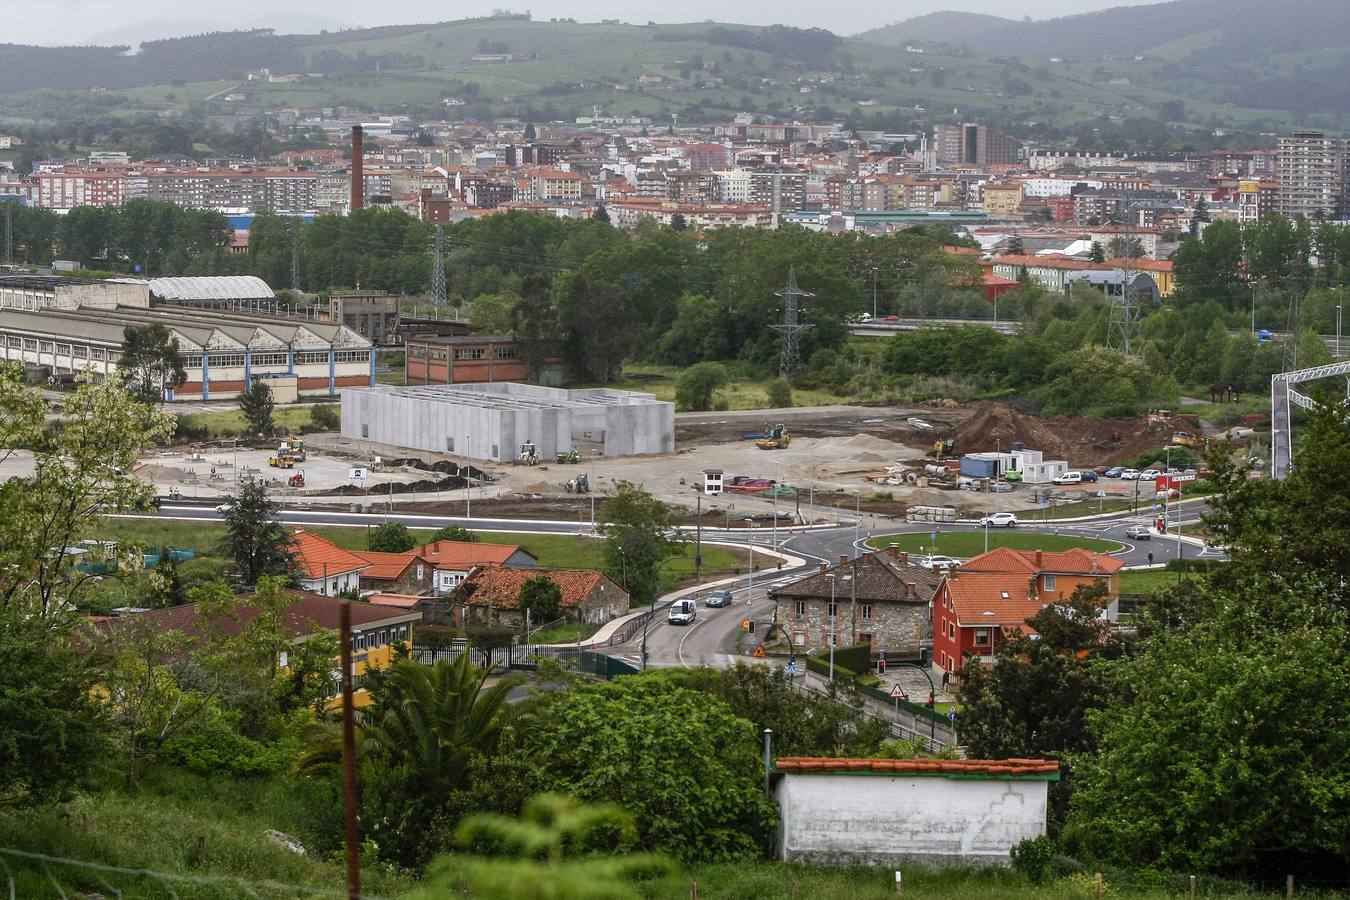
(943, 449)
(776, 437)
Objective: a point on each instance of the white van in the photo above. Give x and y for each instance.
(682, 612)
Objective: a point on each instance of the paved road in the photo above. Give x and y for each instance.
(715, 637)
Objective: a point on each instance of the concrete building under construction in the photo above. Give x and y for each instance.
(492, 421)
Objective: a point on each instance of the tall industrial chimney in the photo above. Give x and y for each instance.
(358, 169)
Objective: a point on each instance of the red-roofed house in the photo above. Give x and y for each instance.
(992, 595)
(448, 563)
(389, 571)
(491, 595)
(322, 566)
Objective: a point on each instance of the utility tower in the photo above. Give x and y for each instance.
(9, 232)
(1123, 327)
(438, 271)
(1292, 334)
(295, 256)
(792, 326)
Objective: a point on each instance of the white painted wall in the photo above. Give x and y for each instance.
(886, 819)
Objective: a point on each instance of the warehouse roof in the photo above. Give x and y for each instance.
(222, 287)
(512, 395)
(41, 282)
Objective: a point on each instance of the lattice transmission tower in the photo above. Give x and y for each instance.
(1123, 326)
(792, 327)
(438, 271)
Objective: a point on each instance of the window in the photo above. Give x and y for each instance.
(866, 612)
(81, 352)
(30, 343)
(284, 659)
(268, 359)
(982, 637)
(833, 608)
(505, 352)
(470, 353)
(311, 358)
(352, 356)
(227, 360)
(190, 361)
(1048, 581)
(47, 346)
(63, 348)
(801, 608)
(365, 430)
(799, 638)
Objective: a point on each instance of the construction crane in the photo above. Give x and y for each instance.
(1282, 396)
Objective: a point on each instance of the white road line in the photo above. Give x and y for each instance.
(679, 650)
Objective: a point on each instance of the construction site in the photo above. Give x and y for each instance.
(732, 469)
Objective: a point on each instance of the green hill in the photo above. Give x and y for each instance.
(697, 72)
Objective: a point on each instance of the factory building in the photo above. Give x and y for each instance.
(60, 292)
(474, 359)
(222, 351)
(492, 421)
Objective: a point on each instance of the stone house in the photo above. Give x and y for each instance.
(490, 595)
(439, 567)
(878, 597)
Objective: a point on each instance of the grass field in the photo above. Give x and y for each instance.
(740, 393)
(971, 543)
(211, 832)
(554, 551)
(230, 422)
(1146, 581)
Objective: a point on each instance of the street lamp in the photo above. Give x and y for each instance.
(832, 582)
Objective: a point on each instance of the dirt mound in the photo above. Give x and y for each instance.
(1083, 442)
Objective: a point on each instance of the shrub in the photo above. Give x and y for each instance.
(1033, 858)
(696, 385)
(325, 417)
(220, 752)
(780, 393)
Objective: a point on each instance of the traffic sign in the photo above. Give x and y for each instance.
(951, 714)
(357, 473)
(898, 693)
(759, 651)
(792, 668)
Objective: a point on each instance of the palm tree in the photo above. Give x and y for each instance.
(415, 745)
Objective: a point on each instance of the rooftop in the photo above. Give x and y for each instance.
(1034, 562)
(503, 395)
(879, 576)
(318, 557)
(500, 588)
(1039, 769)
(464, 555)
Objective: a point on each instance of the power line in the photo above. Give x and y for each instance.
(792, 327)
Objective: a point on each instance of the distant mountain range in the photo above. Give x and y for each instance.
(1222, 27)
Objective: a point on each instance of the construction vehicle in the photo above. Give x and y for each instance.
(776, 437)
(293, 447)
(579, 485)
(297, 480)
(281, 461)
(569, 457)
(528, 455)
(944, 449)
(1186, 439)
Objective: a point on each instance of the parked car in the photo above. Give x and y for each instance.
(718, 599)
(1129, 474)
(999, 520)
(1088, 475)
(1114, 471)
(1068, 478)
(682, 612)
(942, 562)
(1137, 533)
(1149, 474)
(1000, 487)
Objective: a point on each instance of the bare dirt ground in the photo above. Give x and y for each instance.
(1082, 442)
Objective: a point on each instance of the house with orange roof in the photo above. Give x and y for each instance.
(446, 564)
(990, 597)
(491, 595)
(392, 572)
(323, 567)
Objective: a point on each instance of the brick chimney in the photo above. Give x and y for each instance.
(1038, 558)
(824, 567)
(843, 559)
(911, 589)
(358, 168)
(904, 559)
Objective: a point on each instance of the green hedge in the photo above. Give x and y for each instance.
(820, 664)
(856, 658)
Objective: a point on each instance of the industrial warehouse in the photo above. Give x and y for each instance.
(221, 351)
(494, 421)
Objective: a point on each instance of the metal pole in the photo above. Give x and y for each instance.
(874, 293)
(831, 628)
(1338, 331)
(768, 750)
(698, 539)
(349, 754)
(750, 576)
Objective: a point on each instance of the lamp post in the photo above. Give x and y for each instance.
(651, 612)
(832, 582)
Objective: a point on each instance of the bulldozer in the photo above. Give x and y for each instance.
(944, 449)
(569, 457)
(297, 480)
(528, 455)
(1186, 439)
(776, 437)
(579, 485)
(281, 461)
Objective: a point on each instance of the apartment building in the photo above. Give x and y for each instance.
(1312, 168)
(974, 144)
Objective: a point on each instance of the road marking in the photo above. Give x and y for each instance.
(679, 650)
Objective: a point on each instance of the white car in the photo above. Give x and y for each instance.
(941, 562)
(1001, 487)
(1069, 478)
(999, 520)
(1149, 475)
(1129, 474)
(223, 508)
(682, 612)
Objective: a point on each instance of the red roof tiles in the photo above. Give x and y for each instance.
(993, 768)
(386, 566)
(501, 587)
(992, 598)
(1077, 561)
(461, 556)
(318, 557)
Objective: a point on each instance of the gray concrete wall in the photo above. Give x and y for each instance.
(626, 423)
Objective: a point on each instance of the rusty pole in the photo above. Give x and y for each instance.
(349, 754)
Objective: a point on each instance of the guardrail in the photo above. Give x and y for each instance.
(624, 633)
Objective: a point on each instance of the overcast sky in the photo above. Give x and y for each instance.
(79, 21)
